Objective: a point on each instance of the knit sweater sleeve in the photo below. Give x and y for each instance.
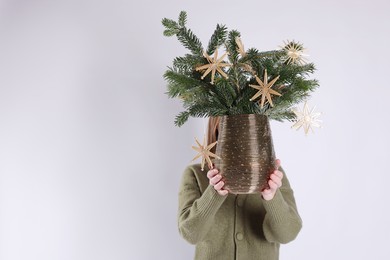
(196, 210)
(282, 222)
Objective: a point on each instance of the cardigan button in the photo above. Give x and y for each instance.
(239, 236)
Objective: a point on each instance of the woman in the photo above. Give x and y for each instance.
(235, 227)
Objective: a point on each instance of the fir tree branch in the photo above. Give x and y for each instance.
(284, 115)
(179, 84)
(273, 53)
(182, 18)
(190, 41)
(231, 46)
(217, 39)
(181, 118)
(171, 27)
(187, 63)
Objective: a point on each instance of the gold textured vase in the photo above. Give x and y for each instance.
(247, 153)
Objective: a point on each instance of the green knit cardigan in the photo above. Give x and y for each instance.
(235, 227)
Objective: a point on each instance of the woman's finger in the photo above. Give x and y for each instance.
(212, 173)
(215, 179)
(278, 173)
(222, 192)
(219, 185)
(266, 191)
(277, 164)
(276, 179)
(272, 185)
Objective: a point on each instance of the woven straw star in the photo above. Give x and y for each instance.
(265, 90)
(294, 53)
(307, 119)
(215, 65)
(240, 46)
(204, 151)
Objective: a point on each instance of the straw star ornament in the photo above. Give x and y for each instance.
(265, 90)
(215, 65)
(204, 152)
(307, 119)
(240, 46)
(294, 53)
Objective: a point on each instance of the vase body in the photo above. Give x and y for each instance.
(246, 153)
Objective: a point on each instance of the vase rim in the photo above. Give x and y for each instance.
(245, 115)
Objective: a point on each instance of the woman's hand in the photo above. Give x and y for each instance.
(274, 182)
(216, 181)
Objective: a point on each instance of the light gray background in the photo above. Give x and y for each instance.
(90, 160)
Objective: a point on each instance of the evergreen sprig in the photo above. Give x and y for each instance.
(217, 39)
(231, 96)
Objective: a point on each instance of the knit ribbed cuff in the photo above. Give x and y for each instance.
(210, 201)
(276, 207)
